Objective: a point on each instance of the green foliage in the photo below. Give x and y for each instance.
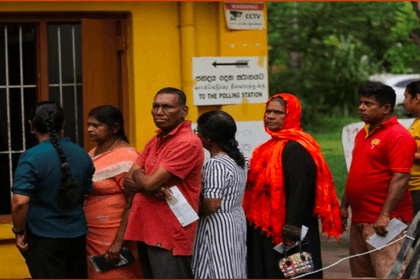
(340, 44)
(327, 132)
(333, 152)
(404, 56)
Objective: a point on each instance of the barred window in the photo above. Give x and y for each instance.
(19, 89)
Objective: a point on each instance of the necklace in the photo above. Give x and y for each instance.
(115, 143)
(110, 148)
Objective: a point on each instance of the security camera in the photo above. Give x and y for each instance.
(235, 14)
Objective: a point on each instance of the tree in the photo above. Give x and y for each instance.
(415, 33)
(339, 45)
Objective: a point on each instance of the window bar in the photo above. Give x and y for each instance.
(22, 103)
(73, 39)
(9, 132)
(60, 78)
(12, 152)
(62, 85)
(23, 86)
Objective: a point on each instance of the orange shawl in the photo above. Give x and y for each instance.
(264, 199)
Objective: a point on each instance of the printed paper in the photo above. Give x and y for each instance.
(181, 208)
(394, 228)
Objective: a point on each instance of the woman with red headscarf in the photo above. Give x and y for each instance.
(289, 186)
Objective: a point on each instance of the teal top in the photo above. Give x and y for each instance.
(38, 175)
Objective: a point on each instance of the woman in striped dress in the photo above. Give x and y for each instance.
(220, 247)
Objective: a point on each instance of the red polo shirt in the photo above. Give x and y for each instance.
(389, 148)
(151, 220)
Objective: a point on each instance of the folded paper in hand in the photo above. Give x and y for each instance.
(394, 228)
(100, 264)
(181, 208)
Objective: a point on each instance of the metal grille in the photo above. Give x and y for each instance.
(7, 87)
(18, 90)
(65, 77)
(17, 93)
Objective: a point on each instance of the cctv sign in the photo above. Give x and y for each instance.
(244, 15)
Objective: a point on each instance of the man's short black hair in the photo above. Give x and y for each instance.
(182, 98)
(383, 94)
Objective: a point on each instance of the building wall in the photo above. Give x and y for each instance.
(220, 41)
(155, 60)
(154, 57)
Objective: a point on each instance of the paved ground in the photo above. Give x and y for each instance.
(333, 251)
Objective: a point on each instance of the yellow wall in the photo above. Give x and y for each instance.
(243, 43)
(214, 39)
(158, 56)
(228, 43)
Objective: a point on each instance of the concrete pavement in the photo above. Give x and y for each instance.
(332, 251)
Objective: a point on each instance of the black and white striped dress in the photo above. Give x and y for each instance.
(220, 247)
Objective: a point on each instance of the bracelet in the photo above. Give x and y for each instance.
(21, 232)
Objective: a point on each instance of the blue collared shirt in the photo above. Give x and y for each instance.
(38, 175)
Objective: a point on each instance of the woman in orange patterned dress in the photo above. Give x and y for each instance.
(108, 205)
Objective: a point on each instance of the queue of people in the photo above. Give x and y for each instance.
(116, 197)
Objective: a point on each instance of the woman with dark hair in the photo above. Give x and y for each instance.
(50, 182)
(412, 104)
(220, 247)
(108, 205)
(289, 186)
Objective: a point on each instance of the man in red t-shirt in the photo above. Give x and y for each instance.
(174, 157)
(376, 188)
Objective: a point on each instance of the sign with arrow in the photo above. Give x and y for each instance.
(238, 64)
(229, 80)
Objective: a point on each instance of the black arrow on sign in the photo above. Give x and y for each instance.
(238, 64)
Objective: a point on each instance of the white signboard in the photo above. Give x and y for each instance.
(349, 133)
(249, 135)
(230, 80)
(244, 15)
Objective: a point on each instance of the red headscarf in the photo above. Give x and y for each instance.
(264, 199)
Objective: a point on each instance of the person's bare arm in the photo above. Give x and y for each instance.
(344, 211)
(417, 158)
(20, 204)
(158, 192)
(152, 182)
(113, 251)
(209, 206)
(128, 181)
(397, 188)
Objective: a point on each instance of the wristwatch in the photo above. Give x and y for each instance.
(21, 232)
